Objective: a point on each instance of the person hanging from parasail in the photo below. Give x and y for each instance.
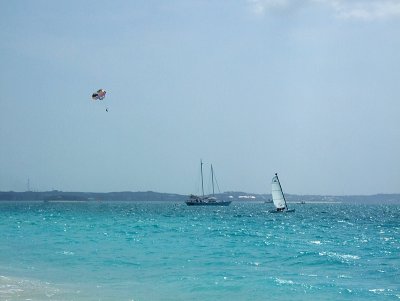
(99, 95)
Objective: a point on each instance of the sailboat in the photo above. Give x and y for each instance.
(278, 197)
(206, 200)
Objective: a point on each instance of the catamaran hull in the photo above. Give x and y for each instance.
(208, 204)
(284, 211)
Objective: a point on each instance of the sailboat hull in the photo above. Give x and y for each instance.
(284, 211)
(222, 203)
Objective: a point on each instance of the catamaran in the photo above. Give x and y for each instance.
(278, 197)
(206, 200)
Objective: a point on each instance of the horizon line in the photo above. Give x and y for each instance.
(226, 192)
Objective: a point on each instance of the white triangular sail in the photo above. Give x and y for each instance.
(277, 194)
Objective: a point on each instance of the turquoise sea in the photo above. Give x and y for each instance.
(168, 251)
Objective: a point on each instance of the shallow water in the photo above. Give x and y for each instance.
(168, 251)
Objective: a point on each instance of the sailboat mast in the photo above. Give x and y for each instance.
(281, 190)
(201, 170)
(212, 178)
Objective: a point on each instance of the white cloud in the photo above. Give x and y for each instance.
(347, 9)
(364, 10)
(260, 7)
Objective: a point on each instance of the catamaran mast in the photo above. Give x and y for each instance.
(202, 184)
(281, 190)
(212, 178)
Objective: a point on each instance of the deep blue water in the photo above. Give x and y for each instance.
(168, 251)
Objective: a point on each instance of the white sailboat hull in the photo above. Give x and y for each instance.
(283, 211)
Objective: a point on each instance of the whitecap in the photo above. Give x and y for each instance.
(309, 275)
(11, 287)
(377, 290)
(349, 257)
(283, 281)
(345, 277)
(345, 257)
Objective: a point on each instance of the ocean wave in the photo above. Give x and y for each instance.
(341, 257)
(26, 289)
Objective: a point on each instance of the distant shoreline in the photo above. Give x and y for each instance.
(151, 196)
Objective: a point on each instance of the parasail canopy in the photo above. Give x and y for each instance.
(99, 95)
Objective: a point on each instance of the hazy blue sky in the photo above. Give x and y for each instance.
(309, 89)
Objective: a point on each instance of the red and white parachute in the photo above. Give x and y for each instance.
(99, 95)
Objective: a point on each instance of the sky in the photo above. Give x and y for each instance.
(308, 89)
